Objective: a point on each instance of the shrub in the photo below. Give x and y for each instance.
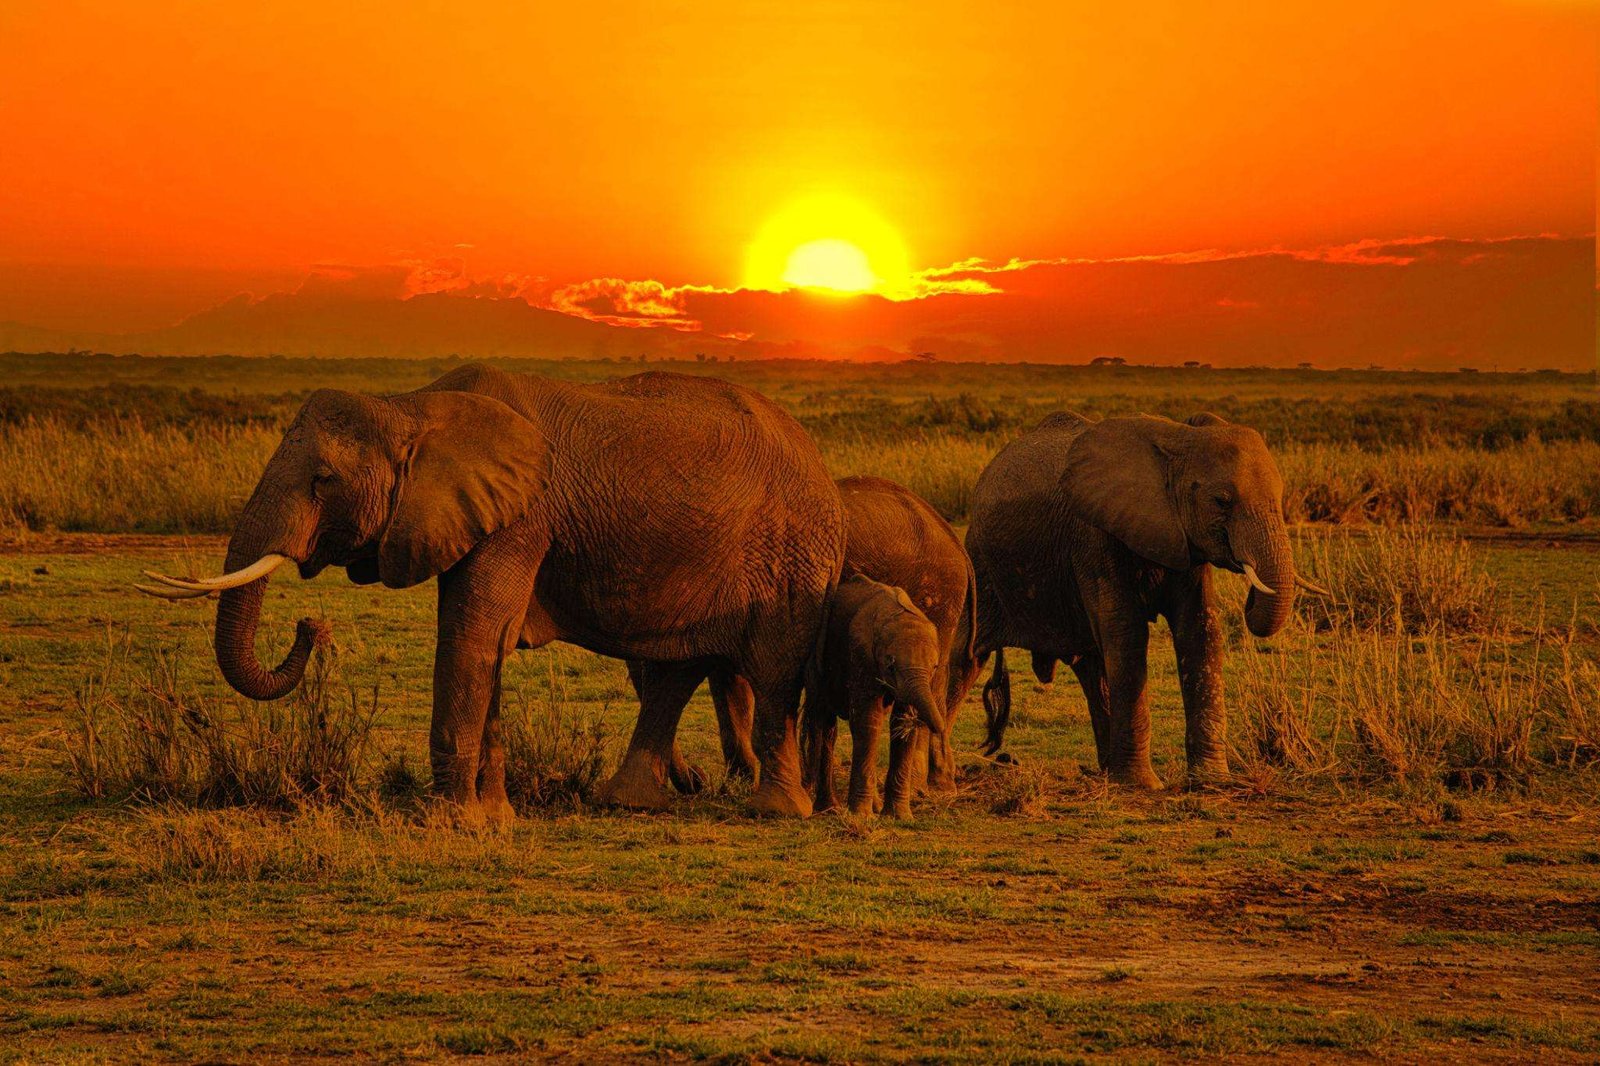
(144, 734)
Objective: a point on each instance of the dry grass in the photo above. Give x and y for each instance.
(556, 752)
(1409, 578)
(1275, 724)
(143, 733)
(138, 731)
(124, 477)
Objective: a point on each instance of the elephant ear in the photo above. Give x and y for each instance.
(472, 467)
(1116, 480)
(1205, 418)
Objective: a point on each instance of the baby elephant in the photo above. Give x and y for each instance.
(879, 651)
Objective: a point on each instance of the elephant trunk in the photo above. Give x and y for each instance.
(917, 693)
(238, 616)
(1261, 541)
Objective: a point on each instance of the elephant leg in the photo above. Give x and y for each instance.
(903, 752)
(823, 738)
(919, 758)
(941, 761)
(481, 607)
(664, 691)
(866, 725)
(781, 790)
(492, 795)
(684, 775)
(1197, 638)
(1126, 672)
(1092, 679)
(736, 711)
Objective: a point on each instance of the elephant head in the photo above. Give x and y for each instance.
(394, 490)
(1183, 493)
(906, 653)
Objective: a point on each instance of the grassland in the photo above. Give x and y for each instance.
(1407, 864)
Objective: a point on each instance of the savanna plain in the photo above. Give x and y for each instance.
(1406, 861)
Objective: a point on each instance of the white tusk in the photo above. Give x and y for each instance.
(172, 593)
(1316, 590)
(256, 570)
(1256, 582)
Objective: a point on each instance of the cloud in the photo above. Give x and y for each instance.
(1526, 301)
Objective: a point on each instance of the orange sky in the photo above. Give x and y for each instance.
(216, 147)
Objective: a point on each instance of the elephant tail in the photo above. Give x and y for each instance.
(997, 704)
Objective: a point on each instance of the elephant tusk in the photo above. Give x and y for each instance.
(1315, 590)
(256, 570)
(172, 593)
(1256, 582)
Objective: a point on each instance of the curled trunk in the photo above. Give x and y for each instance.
(918, 695)
(238, 616)
(1262, 541)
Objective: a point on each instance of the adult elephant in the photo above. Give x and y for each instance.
(894, 537)
(1082, 533)
(682, 523)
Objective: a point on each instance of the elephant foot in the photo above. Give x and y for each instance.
(686, 777)
(773, 800)
(1210, 774)
(739, 770)
(498, 813)
(637, 784)
(458, 814)
(1141, 777)
(943, 781)
(900, 809)
(864, 806)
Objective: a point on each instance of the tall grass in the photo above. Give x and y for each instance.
(122, 476)
(139, 731)
(126, 476)
(1410, 579)
(1529, 481)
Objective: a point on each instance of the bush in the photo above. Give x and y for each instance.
(143, 734)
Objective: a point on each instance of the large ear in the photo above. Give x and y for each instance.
(1205, 418)
(473, 466)
(1116, 479)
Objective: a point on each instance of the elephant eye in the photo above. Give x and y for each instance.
(1223, 500)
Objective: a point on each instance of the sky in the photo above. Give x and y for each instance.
(162, 159)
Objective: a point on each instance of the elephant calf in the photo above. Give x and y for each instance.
(895, 537)
(878, 652)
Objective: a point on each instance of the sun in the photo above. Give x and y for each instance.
(831, 244)
(830, 264)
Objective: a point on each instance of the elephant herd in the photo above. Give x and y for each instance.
(689, 527)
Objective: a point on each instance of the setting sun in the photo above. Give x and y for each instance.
(828, 242)
(830, 264)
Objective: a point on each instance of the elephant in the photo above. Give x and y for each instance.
(1082, 533)
(682, 523)
(878, 652)
(895, 537)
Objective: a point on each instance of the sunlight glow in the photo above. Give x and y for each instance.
(829, 243)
